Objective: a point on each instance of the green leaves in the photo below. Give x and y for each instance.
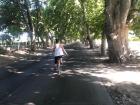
(135, 11)
(65, 18)
(9, 15)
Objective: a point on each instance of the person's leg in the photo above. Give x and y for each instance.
(58, 65)
(61, 60)
(55, 62)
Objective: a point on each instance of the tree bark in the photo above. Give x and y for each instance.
(103, 45)
(30, 24)
(116, 29)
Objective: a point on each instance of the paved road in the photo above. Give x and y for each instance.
(37, 84)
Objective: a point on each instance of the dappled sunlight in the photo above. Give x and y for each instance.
(21, 55)
(22, 59)
(24, 52)
(36, 92)
(7, 56)
(133, 66)
(19, 72)
(67, 72)
(32, 60)
(30, 103)
(126, 77)
(15, 71)
(38, 54)
(113, 76)
(21, 52)
(101, 58)
(55, 75)
(99, 83)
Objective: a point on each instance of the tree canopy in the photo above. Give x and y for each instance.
(62, 17)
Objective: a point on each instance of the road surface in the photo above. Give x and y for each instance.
(36, 83)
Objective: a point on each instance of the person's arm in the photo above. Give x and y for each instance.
(64, 51)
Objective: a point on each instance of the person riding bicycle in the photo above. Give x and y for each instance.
(59, 51)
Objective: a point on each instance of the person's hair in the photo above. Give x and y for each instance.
(56, 40)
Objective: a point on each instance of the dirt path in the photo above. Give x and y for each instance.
(74, 88)
(38, 84)
(121, 81)
(85, 80)
(79, 90)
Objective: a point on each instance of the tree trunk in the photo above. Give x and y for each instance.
(85, 26)
(47, 40)
(90, 41)
(89, 37)
(30, 24)
(103, 45)
(116, 29)
(43, 42)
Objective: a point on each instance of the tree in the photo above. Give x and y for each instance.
(38, 21)
(136, 24)
(119, 14)
(95, 17)
(63, 18)
(136, 27)
(15, 16)
(85, 26)
(10, 16)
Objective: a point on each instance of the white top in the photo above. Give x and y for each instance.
(58, 51)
